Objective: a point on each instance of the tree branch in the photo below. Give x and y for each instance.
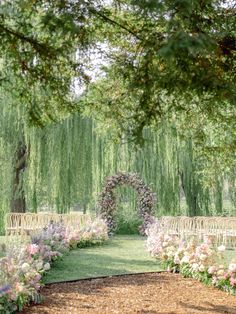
(40, 47)
(109, 20)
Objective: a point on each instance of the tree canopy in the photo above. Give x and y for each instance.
(164, 59)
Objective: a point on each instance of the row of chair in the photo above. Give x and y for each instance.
(221, 230)
(28, 223)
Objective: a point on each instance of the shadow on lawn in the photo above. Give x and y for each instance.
(92, 265)
(117, 241)
(109, 260)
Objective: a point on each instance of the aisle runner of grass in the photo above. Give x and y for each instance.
(121, 255)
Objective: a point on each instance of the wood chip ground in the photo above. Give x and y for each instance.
(160, 293)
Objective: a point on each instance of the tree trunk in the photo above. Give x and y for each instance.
(18, 203)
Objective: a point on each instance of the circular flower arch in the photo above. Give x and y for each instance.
(145, 201)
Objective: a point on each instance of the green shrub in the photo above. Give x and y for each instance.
(127, 221)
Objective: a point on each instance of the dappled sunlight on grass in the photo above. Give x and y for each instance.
(121, 255)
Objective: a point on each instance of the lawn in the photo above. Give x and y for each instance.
(121, 255)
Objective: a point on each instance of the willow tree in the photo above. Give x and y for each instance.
(170, 60)
(149, 45)
(165, 61)
(13, 148)
(68, 162)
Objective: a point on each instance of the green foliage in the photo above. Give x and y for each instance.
(2, 224)
(126, 219)
(163, 59)
(168, 83)
(88, 243)
(39, 41)
(67, 164)
(6, 307)
(169, 64)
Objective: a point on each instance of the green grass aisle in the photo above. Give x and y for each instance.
(121, 255)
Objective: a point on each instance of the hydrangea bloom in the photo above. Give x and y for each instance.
(22, 268)
(198, 260)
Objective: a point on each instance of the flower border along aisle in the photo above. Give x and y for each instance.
(200, 261)
(22, 268)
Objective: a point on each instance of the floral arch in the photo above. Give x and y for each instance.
(145, 201)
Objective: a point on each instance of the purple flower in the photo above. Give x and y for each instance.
(4, 289)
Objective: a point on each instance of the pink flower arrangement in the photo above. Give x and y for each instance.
(92, 233)
(22, 268)
(232, 281)
(198, 260)
(33, 249)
